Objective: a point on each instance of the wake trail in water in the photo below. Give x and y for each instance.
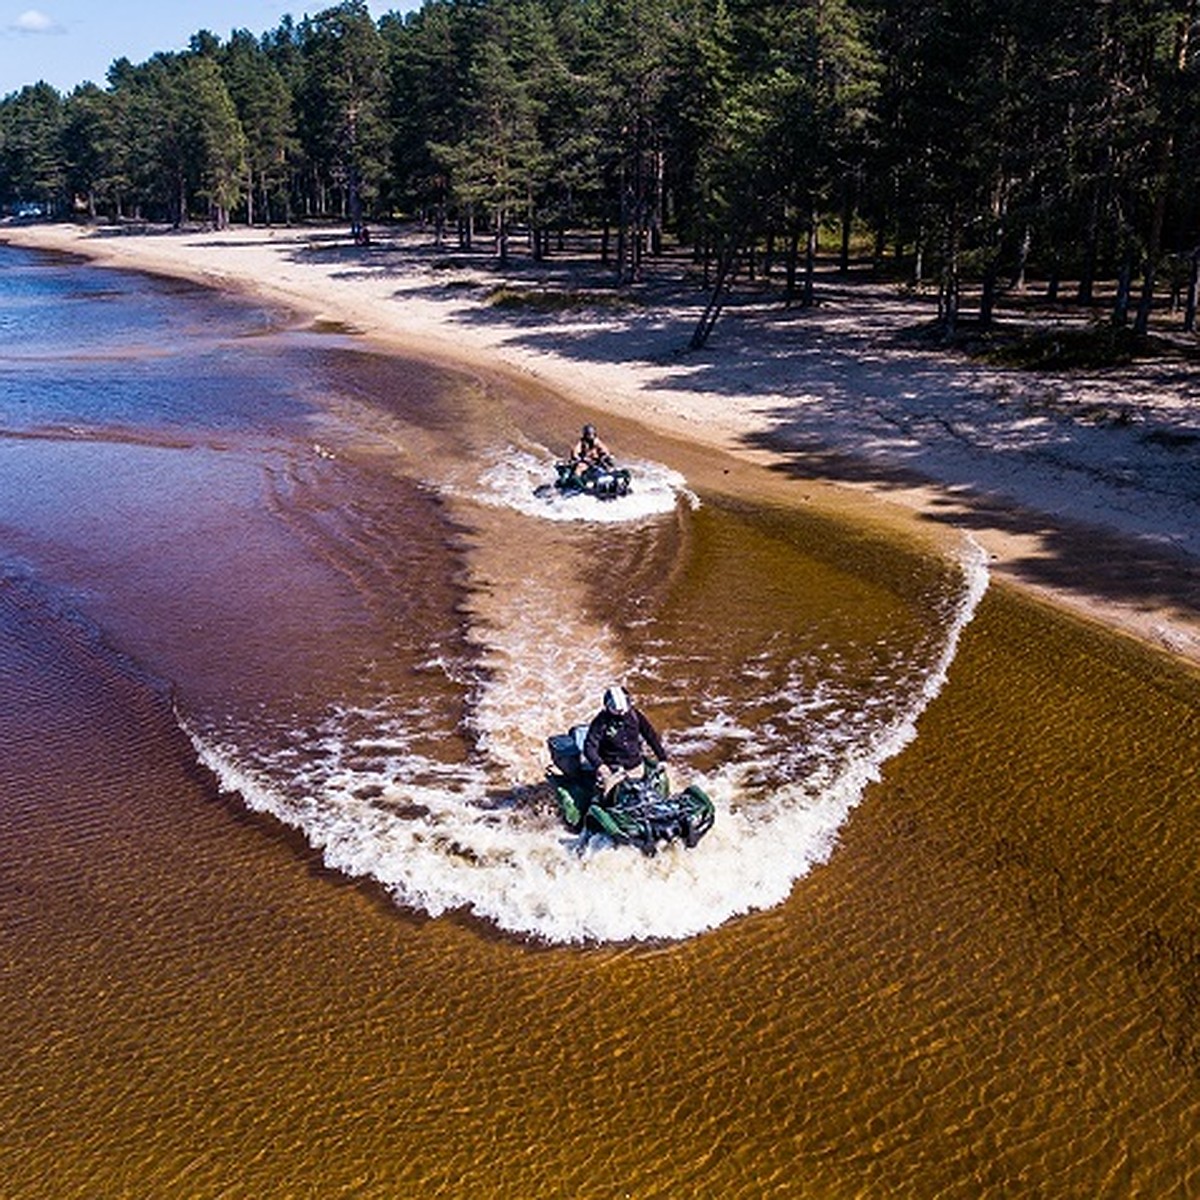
(513, 483)
(480, 831)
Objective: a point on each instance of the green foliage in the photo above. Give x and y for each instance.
(32, 162)
(1065, 349)
(215, 141)
(263, 102)
(498, 162)
(341, 102)
(971, 138)
(542, 300)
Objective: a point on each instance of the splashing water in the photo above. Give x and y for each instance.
(792, 746)
(513, 482)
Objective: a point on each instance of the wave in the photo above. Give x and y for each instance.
(512, 482)
(448, 836)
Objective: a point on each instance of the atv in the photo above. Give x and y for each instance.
(639, 812)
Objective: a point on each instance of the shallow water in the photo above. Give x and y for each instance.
(370, 622)
(320, 573)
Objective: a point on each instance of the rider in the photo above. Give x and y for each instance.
(589, 451)
(613, 744)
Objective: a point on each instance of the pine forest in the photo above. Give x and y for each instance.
(953, 143)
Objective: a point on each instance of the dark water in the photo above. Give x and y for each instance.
(286, 911)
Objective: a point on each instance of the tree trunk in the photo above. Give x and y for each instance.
(847, 218)
(502, 238)
(1023, 259)
(1087, 278)
(948, 292)
(623, 233)
(810, 261)
(726, 270)
(1120, 315)
(1158, 218)
(658, 218)
(793, 261)
(987, 298)
(1189, 312)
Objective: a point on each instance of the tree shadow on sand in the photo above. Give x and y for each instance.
(850, 374)
(1072, 557)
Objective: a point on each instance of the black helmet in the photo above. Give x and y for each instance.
(616, 700)
(589, 433)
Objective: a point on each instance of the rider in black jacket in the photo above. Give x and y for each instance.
(613, 745)
(589, 452)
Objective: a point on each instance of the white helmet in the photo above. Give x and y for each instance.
(616, 700)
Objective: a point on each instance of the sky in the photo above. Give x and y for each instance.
(68, 42)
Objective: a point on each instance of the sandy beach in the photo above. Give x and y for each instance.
(1082, 488)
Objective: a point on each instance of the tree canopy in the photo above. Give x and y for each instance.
(954, 139)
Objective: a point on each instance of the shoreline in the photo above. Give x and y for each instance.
(1079, 488)
(983, 979)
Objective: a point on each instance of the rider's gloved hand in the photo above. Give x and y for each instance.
(609, 778)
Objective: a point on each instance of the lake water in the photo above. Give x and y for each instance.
(287, 908)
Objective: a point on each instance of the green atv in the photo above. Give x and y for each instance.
(636, 812)
(605, 481)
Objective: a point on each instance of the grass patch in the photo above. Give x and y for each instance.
(1059, 348)
(553, 300)
(1087, 348)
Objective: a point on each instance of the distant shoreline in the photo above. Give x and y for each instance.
(1094, 517)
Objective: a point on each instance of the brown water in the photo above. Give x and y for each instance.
(986, 987)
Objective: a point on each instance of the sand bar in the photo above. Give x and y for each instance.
(1082, 488)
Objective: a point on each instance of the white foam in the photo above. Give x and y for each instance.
(436, 838)
(513, 481)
